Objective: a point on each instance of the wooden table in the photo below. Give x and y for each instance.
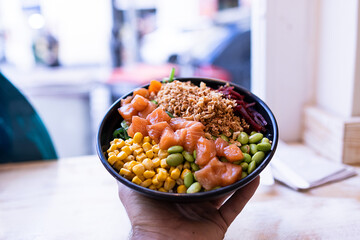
(76, 198)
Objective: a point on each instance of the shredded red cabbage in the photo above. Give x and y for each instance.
(244, 109)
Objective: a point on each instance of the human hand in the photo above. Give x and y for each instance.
(155, 219)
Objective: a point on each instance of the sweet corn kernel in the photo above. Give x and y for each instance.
(163, 154)
(147, 139)
(140, 157)
(162, 190)
(138, 151)
(138, 169)
(111, 154)
(149, 153)
(184, 172)
(146, 183)
(163, 163)
(169, 183)
(126, 149)
(120, 143)
(129, 142)
(135, 146)
(125, 172)
(148, 164)
(122, 155)
(175, 173)
(118, 165)
(162, 174)
(131, 165)
(129, 158)
(181, 189)
(159, 185)
(155, 148)
(152, 187)
(156, 162)
(155, 180)
(112, 159)
(138, 137)
(116, 152)
(146, 146)
(149, 173)
(136, 180)
(111, 148)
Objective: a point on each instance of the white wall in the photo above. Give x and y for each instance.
(284, 59)
(338, 43)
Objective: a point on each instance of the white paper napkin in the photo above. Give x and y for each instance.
(300, 168)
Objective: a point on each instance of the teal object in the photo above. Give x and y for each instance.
(23, 136)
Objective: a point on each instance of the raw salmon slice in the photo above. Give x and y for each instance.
(150, 107)
(127, 111)
(220, 146)
(180, 123)
(155, 131)
(217, 173)
(138, 124)
(158, 115)
(205, 151)
(168, 139)
(233, 153)
(193, 134)
(180, 136)
(141, 91)
(139, 102)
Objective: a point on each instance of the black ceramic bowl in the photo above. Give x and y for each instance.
(112, 121)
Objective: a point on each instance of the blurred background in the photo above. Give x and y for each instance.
(73, 59)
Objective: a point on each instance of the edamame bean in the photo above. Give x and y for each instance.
(174, 159)
(258, 157)
(243, 175)
(263, 146)
(245, 148)
(188, 157)
(194, 166)
(175, 149)
(188, 179)
(243, 138)
(194, 154)
(255, 138)
(251, 167)
(194, 188)
(244, 166)
(253, 132)
(247, 157)
(265, 139)
(253, 148)
(224, 137)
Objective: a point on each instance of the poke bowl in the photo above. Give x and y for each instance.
(187, 139)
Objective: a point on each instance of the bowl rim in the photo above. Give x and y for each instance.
(200, 196)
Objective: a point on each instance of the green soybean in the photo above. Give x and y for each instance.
(188, 179)
(194, 188)
(255, 138)
(243, 138)
(245, 148)
(251, 167)
(224, 137)
(258, 157)
(194, 166)
(247, 157)
(253, 132)
(194, 154)
(175, 149)
(265, 139)
(244, 166)
(174, 159)
(253, 148)
(188, 157)
(243, 175)
(263, 146)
